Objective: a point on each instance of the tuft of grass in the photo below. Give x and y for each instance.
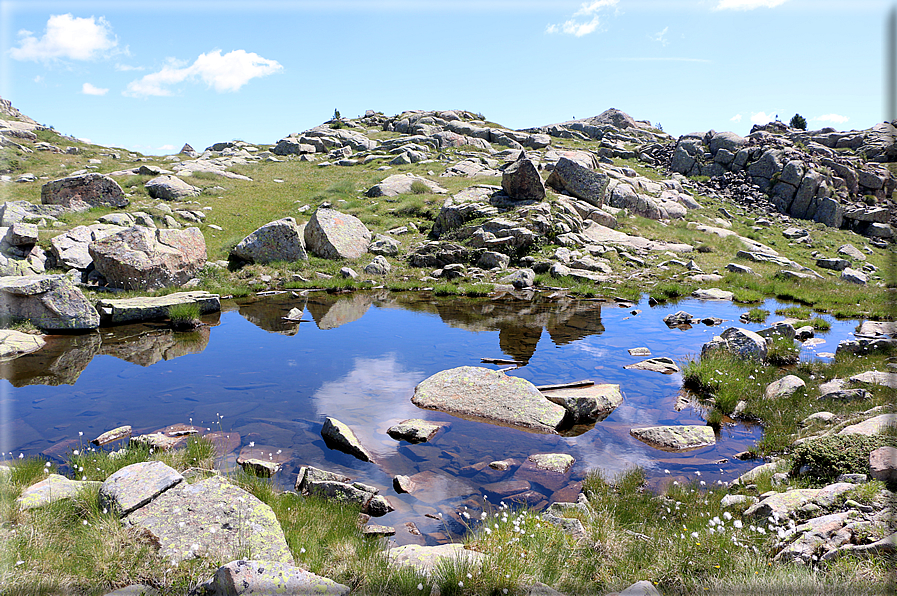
(418, 187)
(794, 312)
(184, 316)
(828, 457)
(817, 323)
(781, 350)
(746, 296)
(755, 315)
(670, 290)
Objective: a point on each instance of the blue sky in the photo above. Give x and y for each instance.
(152, 76)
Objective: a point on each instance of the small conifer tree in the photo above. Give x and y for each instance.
(798, 121)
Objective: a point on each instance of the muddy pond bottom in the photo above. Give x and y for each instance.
(270, 384)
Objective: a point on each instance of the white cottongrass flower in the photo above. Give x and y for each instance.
(737, 523)
(420, 586)
(727, 515)
(460, 584)
(694, 534)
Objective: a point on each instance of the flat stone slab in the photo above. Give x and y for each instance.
(339, 436)
(136, 485)
(51, 489)
(876, 377)
(713, 294)
(781, 504)
(425, 558)
(266, 577)
(873, 426)
(659, 364)
(551, 470)
(111, 436)
(15, 343)
(212, 518)
(675, 438)
(414, 430)
(148, 308)
(489, 396)
(586, 405)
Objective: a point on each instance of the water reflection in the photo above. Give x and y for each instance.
(271, 382)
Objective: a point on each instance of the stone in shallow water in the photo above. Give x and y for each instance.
(586, 405)
(339, 436)
(110, 436)
(489, 396)
(675, 438)
(413, 431)
(51, 489)
(660, 364)
(551, 470)
(15, 343)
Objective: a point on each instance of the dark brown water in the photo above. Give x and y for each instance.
(358, 359)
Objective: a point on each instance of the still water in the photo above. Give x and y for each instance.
(271, 383)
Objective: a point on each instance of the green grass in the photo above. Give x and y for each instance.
(184, 315)
(756, 315)
(781, 350)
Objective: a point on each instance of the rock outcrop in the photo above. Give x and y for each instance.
(146, 258)
(50, 302)
(94, 190)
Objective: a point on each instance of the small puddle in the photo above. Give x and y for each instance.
(271, 382)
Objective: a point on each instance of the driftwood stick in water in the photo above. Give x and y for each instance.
(499, 361)
(573, 385)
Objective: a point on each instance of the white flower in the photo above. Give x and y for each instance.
(460, 584)
(84, 522)
(75, 452)
(469, 576)
(302, 550)
(47, 465)
(727, 515)
(80, 433)
(420, 586)
(666, 471)
(694, 534)
(21, 455)
(252, 443)
(737, 523)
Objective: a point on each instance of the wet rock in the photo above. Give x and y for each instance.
(266, 577)
(48, 301)
(489, 396)
(95, 190)
(675, 438)
(148, 308)
(586, 405)
(170, 188)
(883, 464)
(51, 489)
(330, 234)
(111, 436)
(574, 179)
(659, 364)
(140, 258)
(414, 430)
(136, 485)
(784, 387)
(522, 182)
(403, 484)
(211, 518)
(339, 436)
(281, 240)
(15, 343)
(678, 318)
(551, 470)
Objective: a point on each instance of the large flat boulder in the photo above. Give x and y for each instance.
(48, 301)
(211, 518)
(15, 343)
(70, 249)
(170, 188)
(489, 396)
(334, 235)
(281, 240)
(148, 308)
(96, 190)
(140, 258)
(400, 184)
(570, 177)
(136, 485)
(266, 577)
(425, 559)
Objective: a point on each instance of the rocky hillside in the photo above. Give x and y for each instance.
(604, 205)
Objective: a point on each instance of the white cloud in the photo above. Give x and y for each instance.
(659, 37)
(735, 118)
(88, 89)
(66, 37)
(127, 67)
(762, 117)
(833, 118)
(166, 148)
(223, 73)
(578, 28)
(38, 79)
(747, 4)
(593, 7)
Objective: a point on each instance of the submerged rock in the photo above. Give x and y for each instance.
(414, 430)
(675, 438)
(489, 396)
